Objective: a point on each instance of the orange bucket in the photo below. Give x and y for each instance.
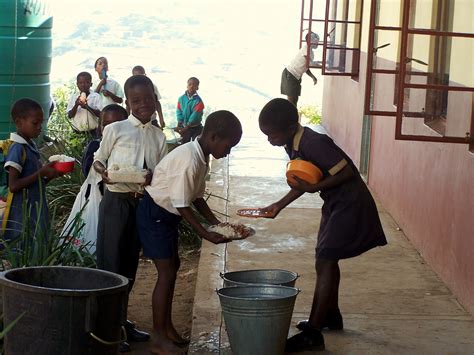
(304, 170)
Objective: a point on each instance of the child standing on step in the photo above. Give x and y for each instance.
(178, 183)
(350, 223)
(27, 176)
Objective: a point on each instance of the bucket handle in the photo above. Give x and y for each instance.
(105, 342)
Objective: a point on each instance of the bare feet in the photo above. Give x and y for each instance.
(175, 337)
(162, 345)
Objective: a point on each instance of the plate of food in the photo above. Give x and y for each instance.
(126, 174)
(62, 163)
(253, 213)
(232, 231)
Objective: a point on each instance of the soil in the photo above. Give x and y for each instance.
(139, 305)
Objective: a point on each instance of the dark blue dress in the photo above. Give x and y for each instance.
(30, 202)
(350, 224)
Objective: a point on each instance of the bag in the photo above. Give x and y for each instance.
(84, 217)
(5, 195)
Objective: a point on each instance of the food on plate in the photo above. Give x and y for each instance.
(61, 158)
(232, 231)
(130, 174)
(253, 213)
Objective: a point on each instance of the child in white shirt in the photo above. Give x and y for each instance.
(110, 90)
(179, 182)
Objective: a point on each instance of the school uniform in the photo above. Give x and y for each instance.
(112, 86)
(29, 202)
(350, 224)
(178, 180)
(127, 143)
(85, 121)
(292, 74)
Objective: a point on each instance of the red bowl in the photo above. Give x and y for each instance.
(64, 166)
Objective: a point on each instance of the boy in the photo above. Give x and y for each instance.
(291, 76)
(189, 112)
(109, 90)
(133, 142)
(139, 70)
(179, 182)
(84, 108)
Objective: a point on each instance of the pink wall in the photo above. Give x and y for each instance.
(427, 187)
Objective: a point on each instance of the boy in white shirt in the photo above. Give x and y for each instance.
(179, 182)
(291, 76)
(84, 108)
(139, 70)
(134, 142)
(109, 90)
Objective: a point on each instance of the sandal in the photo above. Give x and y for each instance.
(309, 339)
(333, 321)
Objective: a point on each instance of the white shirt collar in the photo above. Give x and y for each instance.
(17, 138)
(200, 152)
(136, 122)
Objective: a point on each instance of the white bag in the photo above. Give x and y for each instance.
(86, 211)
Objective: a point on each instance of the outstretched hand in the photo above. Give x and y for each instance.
(270, 211)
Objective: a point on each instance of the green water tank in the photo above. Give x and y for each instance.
(25, 56)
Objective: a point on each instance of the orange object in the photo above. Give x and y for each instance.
(304, 170)
(64, 166)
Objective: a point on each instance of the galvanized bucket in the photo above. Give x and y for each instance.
(257, 317)
(260, 277)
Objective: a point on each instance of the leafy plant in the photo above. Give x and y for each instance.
(312, 113)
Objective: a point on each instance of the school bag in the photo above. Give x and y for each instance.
(6, 196)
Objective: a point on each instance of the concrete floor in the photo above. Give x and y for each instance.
(391, 301)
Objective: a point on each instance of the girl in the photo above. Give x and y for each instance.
(350, 224)
(110, 90)
(26, 175)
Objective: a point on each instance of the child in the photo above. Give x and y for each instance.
(27, 177)
(189, 112)
(179, 182)
(291, 76)
(350, 224)
(137, 143)
(91, 192)
(84, 111)
(139, 70)
(110, 90)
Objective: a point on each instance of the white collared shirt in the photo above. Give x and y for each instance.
(84, 120)
(180, 178)
(297, 66)
(112, 86)
(15, 137)
(131, 143)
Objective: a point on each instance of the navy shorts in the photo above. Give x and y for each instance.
(157, 229)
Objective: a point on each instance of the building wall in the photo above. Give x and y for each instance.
(427, 187)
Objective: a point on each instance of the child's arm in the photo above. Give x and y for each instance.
(189, 216)
(196, 117)
(179, 114)
(274, 209)
(114, 97)
(101, 83)
(103, 153)
(345, 174)
(159, 110)
(94, 111)
(311, 75)
(72, 108)
(203, 208)
(15, 183)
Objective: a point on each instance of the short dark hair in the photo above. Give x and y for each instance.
(136, 80)
(222, 123)
(115, 108)
(84, 74)
(138, 68)
(279, 114)
(22, 107)
(95, 64)
(194, 79)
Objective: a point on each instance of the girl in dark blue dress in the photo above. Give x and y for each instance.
(350, 223)
(26, 175)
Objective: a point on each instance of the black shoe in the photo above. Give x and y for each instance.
(133, 334)
(124, 347)
(333, 321)
(309, 339)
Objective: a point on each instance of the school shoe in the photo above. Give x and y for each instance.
(124, 347)
(133, 334)
(333, 321)
(310, 339)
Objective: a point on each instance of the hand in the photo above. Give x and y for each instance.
(106, 93)
(103, 82)
(315, 80)
(49, 172)
(148, 178)
(105, 177)
(270, 211)
(216, 238)
(302, 185)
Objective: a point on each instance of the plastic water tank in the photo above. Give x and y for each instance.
(25, 60)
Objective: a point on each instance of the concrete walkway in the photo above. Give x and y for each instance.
(391, 301)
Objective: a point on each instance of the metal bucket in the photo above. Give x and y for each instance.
(257, 317)
(260, 277)
(66, 310)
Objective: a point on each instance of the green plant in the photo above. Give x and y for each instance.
(312, 113)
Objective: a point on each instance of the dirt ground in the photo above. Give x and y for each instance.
(139, 309)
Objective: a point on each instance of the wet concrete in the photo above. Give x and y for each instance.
(391, 301)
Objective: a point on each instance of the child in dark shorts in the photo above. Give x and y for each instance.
(350, 223)
(179, 182)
